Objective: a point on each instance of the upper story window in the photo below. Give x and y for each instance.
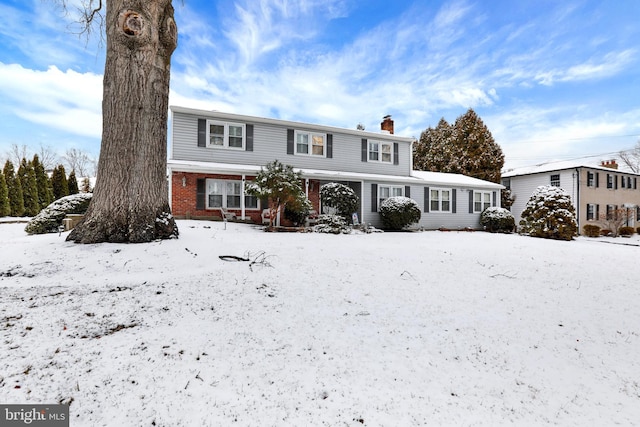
(440, 200)
(310, 144)
(225, 135)
(380, 152)
(591, 179)
(386, 191)
(555, 180)
(481, 200)
(612, 181)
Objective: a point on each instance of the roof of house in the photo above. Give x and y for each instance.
(558, 166)
(417, 177)
(279, 122)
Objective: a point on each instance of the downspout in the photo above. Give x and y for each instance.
(577, 184)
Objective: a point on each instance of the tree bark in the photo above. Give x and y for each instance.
(130, 201)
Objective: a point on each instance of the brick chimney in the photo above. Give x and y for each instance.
(387, 124)
(610, 164)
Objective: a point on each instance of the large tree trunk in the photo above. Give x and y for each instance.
(130, 201)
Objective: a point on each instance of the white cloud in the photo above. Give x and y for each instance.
(68, 100)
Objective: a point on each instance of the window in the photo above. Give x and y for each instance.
(225, 135)
(629, 182)
(227, 195)
(611, 212)
(591, 182)
(481, 201)
(440, 200)
(609, 181)
(386, 191)
(591, 211)
(380, 152)
(555, 180)
(308, 143)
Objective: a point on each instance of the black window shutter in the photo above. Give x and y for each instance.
(249, 146)
(494, 196)
(200, 193)
(615, 180)
(589, 177)
(329, 146)
(396, 154)
(470, 201)
(364, 149)
(202, 133)
(453, 201)
(407, 191)
(290, 137)
(374, 197)
(597, 180)
(597, 212)
(426, 199)
(635, 184)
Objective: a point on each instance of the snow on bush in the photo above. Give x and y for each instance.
(50, 218)
(340, 197)
(497, 220)
(549, 214)
(399, 212)
(331, 224)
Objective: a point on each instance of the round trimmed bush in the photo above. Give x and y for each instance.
(50, 218)
(399, 212)
(331, 224)
(591, 230)
(340, 197)
(626, 231)
(497, 220)
(549, 214)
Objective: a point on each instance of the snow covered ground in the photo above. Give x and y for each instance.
(385, 329)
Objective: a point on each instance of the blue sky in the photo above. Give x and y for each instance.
(552, 80)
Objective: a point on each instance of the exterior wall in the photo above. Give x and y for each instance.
(183, 197)
(458, 220)
(270, 143)
(574, 182)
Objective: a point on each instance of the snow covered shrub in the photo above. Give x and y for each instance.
(591, 230)
(331, 224)
(340, 197)
(399, 212)
(625, 231)
(50, 218)
(549, 214)
(497, 220)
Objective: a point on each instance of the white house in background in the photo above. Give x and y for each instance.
(594, 190)
(213, 154)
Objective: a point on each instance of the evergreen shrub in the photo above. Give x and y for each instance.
(591, 230)
(625, 231)
(50, 218)
(497, 220)
(550, 214)
(340, 197)
(331, 224)
(399, 212)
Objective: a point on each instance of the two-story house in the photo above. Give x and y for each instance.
(595, 191)
(212, 156)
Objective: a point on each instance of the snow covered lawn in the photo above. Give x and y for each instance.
(387, 329)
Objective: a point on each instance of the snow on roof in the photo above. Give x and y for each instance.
(557, 166)
(416, 177)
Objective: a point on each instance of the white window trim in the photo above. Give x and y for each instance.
(440, 190)
(391, 188)
(226, 135)
(310, 139)
(483, 202)
(380, 144)
(224, 182)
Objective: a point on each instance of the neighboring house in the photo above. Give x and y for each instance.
(595, 190)
(213, 154)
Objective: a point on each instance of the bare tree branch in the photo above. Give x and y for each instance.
(631, 158)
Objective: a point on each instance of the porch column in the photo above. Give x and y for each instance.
(242, 207)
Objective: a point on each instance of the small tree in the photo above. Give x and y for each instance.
(45, 194)
(340, 197)
(59, 182)
(549, 214)
(5, 207)
(507, 198)
(72, 183)
(280, 185)
(614, 219)
(14, 190)
(29, 188)
(399, 212)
